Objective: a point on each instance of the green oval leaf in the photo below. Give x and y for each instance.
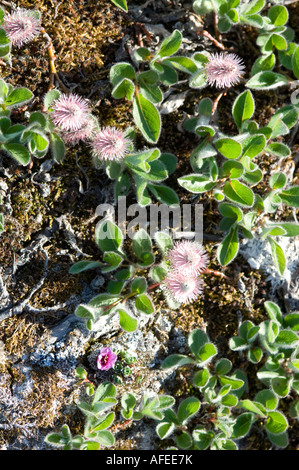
(230, 211)
(201, 378)
(81, 266)
(164, 194)
(239, 193)
(124, 89)
(187, 408)
(278, 14)
(266, 80)
(290, 196)
(122, 4)
(228, 147)
(57, 147)
(243, 425)
(147, 118)
(243, 108)
(278, 255)
(108, 236)
(268, 399)
(253, 145)
(278, 180)
(276, 422)
(18, 96)
(196, 183)
(171, 44)
(17, 151)
(127, 322)
(278, 149)
(120, 71)
(176, 360)
(229, 247)
(144, 303)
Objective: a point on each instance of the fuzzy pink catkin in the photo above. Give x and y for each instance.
(182, 287)
(85, 133)
(106, 359)
(21, 26)
(70, 112)
(110, 144)
(188, 256)
(224, 70)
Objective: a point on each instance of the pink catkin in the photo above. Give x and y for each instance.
(181, 287)
(110, 144)
(70, 112)
(85, 133)
(224, 70)
(188, 256)
(21, 26)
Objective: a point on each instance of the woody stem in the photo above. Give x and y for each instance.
(215, 273)
(52, 67)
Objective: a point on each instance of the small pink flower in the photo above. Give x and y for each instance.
(110, 144)
(70, 112)
(21, 26)
(106, 359)
(224, 70)
(188, 256)
(181, 287)
(85, 132)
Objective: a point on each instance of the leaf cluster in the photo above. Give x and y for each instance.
(127, 285)
(98, 418)
(227, 168)
(221, 391)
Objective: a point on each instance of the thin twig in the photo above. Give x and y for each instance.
(211, 38)
(216, 273)
(53, 72)
(216, 102)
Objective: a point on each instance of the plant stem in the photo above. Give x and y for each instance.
(216, 273)
(52, 67)
(216, 102)
(122, 299)
(153, 286)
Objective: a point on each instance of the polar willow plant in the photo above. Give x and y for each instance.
(225, 417)
(146, 172)
(273, 33)
(275, 38)
(174, 267)
(128, 289)
(100, 415)
(142, 84)
(36, 138)
(113, 150)
(220, 412)
(216, 426)
(277, 340)
(228, 169)
(99, 418)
